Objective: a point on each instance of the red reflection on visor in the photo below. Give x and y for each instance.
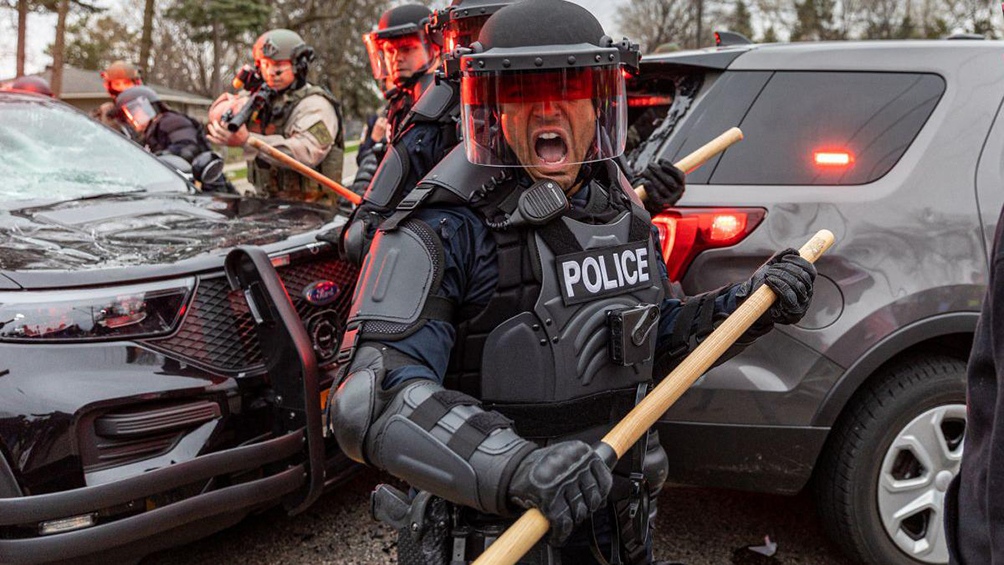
(550, 86)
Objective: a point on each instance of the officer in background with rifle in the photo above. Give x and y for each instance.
(514, 307)
(279, 107)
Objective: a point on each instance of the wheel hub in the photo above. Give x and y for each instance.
(920, 463)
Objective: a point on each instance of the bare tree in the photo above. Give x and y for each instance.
(653, 23)
(22, 27)
(57, 50)
(146, 41)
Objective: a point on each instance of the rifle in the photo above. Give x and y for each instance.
(262, 95)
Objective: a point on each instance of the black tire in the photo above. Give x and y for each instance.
(847, 473)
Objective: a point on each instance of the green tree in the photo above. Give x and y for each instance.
(94, 41)
(219, 23)
(656, 22)
(741, 20)
(815, 21)
(769, 36)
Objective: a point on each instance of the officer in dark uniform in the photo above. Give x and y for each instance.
(513, 308)
(974, 508)
(430, 131)
(404, 57)
(163, 130)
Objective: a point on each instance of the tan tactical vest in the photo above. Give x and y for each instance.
(280, 182)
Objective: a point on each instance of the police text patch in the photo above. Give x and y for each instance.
(607, 271)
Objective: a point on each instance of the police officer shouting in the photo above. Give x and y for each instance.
(304, 121)
(513, 308)
(163, 130)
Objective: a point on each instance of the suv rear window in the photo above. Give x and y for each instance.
(869, 118)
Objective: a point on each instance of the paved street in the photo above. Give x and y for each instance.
(695, 526)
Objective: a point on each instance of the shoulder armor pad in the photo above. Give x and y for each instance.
(389, 176)
(402, 269)
(438, 102)
(462, 179)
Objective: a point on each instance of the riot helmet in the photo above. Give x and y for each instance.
(31, 84)
(120, 76)
(400, 48)
(140, 105)
(459, 24)
(278, 46)
(543, 89)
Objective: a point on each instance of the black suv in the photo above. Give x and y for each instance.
(137, 409)
(898, 148)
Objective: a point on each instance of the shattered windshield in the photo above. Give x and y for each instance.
(48, 152)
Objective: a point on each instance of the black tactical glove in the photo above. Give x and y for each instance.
(791, 278)
(664, 185)
(566, 481)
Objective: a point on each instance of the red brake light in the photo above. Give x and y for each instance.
(832, 158)
(686, 232)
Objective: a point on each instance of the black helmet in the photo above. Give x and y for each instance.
(459, 24)
(32, 84)
(140, 105)
(403, 24)
(544, 57)
(285, 45)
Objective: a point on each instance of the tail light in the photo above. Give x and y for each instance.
(686, 232)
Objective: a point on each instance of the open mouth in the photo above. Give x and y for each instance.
(550, 148)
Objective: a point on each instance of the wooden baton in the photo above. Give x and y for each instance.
(703, 154)
(531, 527)
(304, 170)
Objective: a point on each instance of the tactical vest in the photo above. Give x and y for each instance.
(280, 182)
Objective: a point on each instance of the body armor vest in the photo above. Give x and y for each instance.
(280, 182)
(540, 352)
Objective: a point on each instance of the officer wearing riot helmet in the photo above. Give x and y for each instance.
(117, 78)
(513, 308)
(430, 131)
(302, 120)
(162, 130)
(402, 56)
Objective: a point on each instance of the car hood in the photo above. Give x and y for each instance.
(115, 232)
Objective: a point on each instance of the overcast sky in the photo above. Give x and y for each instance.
(42, 29)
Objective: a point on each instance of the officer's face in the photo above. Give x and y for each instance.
(278, 75)
(550, 138)
(404, 56)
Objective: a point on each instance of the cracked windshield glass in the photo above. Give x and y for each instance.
(50, 153)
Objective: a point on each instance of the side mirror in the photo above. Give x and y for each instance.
(176, 163)
(207, 168)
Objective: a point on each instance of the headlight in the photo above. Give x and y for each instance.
(144, 310)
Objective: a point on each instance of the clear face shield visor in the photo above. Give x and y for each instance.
(399, 56)
(140, 112)
(544, 119)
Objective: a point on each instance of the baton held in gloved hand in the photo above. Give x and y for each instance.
(531, 527)
(703, 154)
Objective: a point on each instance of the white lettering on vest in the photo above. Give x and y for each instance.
(593, 284)
(573, 274)
(630, 274)
(608, 283)
(643, 265)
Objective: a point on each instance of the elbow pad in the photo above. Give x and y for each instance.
(441, 441)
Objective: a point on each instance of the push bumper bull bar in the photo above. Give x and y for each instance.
(44, 507)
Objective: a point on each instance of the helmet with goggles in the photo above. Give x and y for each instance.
(543, 88)
(284, 45)
(400, 47)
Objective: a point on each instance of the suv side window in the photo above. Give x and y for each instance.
(872, 117)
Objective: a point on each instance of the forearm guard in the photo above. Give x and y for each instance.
(437, 440)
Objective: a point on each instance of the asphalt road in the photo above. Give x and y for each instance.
(695, 527)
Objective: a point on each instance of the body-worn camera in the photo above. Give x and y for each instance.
(629, 333)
